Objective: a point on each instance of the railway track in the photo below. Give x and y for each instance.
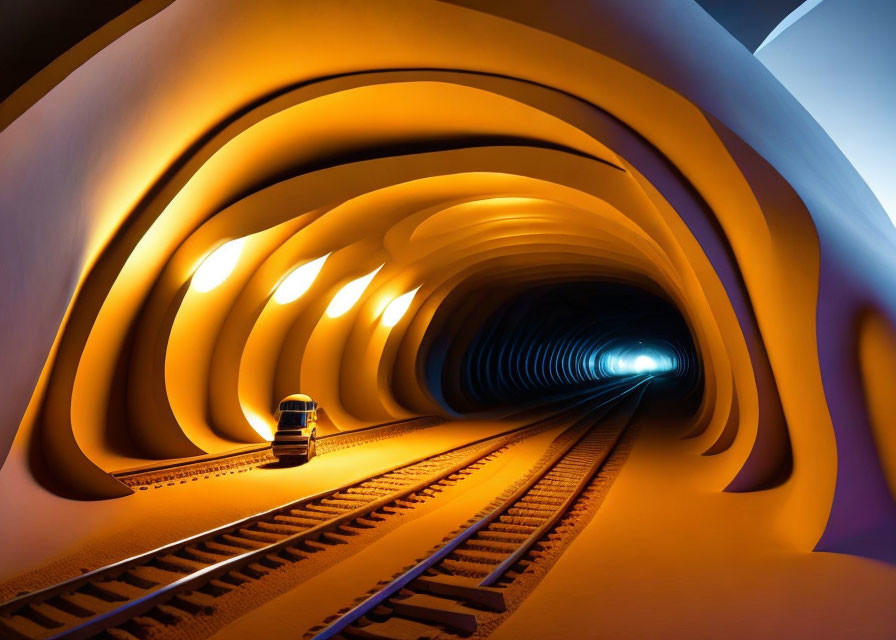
(464, 582)
(127, 599)
(192, 469)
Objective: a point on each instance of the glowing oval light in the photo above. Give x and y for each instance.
(299, 281)
(217, 266)
(643, 363)
(348, 295)
(635, 360)
(398, 307)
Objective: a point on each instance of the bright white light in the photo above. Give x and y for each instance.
(299, 281)
(398, 307)
(634, 360)
(643, 363)
(348, 295)
(263, 426)
(219, 264)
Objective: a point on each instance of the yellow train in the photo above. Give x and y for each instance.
(296, 436)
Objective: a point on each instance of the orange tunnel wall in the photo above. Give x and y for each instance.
(456, 145)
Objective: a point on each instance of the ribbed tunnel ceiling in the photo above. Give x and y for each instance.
(591, 168)
(493, 186)
(528, 336)
(34, 34)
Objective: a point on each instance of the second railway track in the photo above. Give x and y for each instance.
(182, 471)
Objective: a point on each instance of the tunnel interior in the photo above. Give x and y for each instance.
(509, 346)
(445, 230)
(510, 228)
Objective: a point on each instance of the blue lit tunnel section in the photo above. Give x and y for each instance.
(635, 359)
(499, 348)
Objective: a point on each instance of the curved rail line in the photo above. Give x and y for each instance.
(448, 592)
(184, 578)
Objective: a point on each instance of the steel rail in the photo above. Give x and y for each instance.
(542, 530)
(345, 620)
(252, 449)
(135, 607)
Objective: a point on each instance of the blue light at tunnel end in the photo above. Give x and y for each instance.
(634, 359)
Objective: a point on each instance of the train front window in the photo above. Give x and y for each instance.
(293, 419)
(295, 405)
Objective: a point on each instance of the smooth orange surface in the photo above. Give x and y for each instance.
(502, 145)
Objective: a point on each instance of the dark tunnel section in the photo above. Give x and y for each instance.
(508, 349)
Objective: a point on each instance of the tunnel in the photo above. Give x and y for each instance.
(448, 220)
(502, 346)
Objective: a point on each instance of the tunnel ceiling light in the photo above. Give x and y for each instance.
(398, 307)
(348, 295)
(217, 266)
(294, 286)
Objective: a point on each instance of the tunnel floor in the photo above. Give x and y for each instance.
(667, 558)
(107, 531)
(696, 559)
